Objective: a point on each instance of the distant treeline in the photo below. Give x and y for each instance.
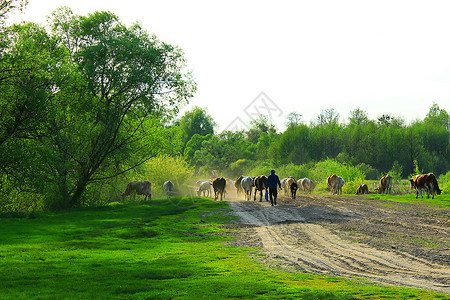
(375, 146)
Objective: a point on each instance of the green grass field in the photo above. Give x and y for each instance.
(153, 250)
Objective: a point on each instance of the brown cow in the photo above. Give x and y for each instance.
(362, 189)
(219, 185)
(385, 184)
(333, 184)
(260, 184)
(426, 182)
(432, 185)
(293, 188)
(237, 185)
(306, 185)
(414, 185)
(140, 187)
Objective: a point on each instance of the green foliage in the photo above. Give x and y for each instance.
(211, 152)
(86, 100)
(162, 168)
(32, 67)
(8, 6)
(363, 141)
(438, 116)
(196, 121)
(444, 183)
(240, 167)
(396, 172)
(352, 176)
(328, 167)
(296, 171)
(417, 171)
(262, 168)
(194, 145)
(370, 172)
(291, 146)
(258, 126)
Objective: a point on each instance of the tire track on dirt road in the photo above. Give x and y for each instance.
(285, 233)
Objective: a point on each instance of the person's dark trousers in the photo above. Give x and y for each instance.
(273, 196)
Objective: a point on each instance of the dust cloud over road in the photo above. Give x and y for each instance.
(352, 237)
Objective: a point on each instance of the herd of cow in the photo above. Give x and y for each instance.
(244, 185)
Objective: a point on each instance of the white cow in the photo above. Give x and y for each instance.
(168, 188)
(286, 184)
(140, 187)
(283, 185)
(340, 185)
(306, 185)
(205, 187)
(247, 185)
(300, 185)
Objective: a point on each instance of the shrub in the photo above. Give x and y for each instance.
(370, 172)
(162, 168)
(444, 183)
(296, 171)
(240, 167)
(262, 168)
(353, 176)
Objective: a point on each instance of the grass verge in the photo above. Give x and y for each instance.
(152, 250)
(439, 201)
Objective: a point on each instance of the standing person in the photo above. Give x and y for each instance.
(272, 182)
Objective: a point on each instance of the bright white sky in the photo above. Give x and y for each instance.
(306, 56)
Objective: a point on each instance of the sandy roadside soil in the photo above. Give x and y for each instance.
(349, 236)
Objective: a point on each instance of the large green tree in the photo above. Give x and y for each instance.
(125, 81)
(6, 6)
(258, 126)
(32, 66)
(195, 121)
(87, 100)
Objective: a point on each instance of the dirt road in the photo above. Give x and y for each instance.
(381, 241)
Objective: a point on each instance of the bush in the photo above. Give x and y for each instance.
(353, 176)
(370, 172)
(162, 168)
(240, 167)
(262, 168)
(296, 171)
(323, 169)
(444, 183)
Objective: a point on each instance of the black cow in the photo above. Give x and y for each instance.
(260, 183)
(219, 185)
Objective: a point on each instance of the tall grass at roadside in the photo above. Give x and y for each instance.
(444, 183)
(152, 250)
(353, 176)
